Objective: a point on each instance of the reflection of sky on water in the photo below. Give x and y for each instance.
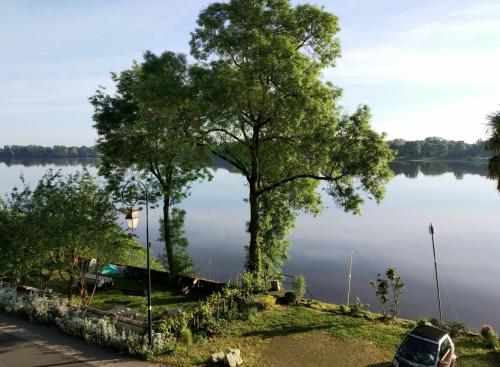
(394, 233)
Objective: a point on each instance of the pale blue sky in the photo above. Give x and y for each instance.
(426, 68)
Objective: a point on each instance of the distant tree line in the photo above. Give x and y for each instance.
(38, 151)
(435, 147)
(431, 147)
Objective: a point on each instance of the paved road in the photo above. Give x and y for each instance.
(23, 344)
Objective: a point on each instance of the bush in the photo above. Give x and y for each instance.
(102, 331)
(490, 338)
(187, 336)
(248, 312)
(299, 286)
(358, 308)
(453, 327)
(456, 328)
(265, 302)
(289, 298)
(344, 309)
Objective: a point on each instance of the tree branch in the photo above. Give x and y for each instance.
(235, 162)
(296, 177)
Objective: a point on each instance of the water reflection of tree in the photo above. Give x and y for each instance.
(411, 169)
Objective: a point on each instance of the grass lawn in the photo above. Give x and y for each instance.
(285, 335)
(301, 336)
(162, 297)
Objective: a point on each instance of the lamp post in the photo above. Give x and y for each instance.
(431, 231)
(132, 219)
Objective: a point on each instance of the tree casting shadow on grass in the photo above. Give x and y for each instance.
(287, 330)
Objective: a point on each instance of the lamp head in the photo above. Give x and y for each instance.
(132, 218)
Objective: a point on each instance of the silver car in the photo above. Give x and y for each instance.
(426, 346)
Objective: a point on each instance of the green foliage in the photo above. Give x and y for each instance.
(268, 113)
(435, 147)
(493, 145)
(393, 283)
(455, 328)
(265, 302)
(182, 262)
(358, 308)
(250, 283)
(148, 127)
(344, 309)
(289, 298)
(489, 336)
(38, 151)
(64, 220)
(381, 291)
(103, 331)
(299, 286)
(187, 336)
(397, 286)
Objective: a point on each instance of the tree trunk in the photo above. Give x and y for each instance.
(253, 264)
(169, 247)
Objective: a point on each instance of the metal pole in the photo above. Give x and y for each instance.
(349, 281)
(148, 246)
(209, 268)
(431, 231)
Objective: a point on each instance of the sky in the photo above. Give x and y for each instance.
(425, 68)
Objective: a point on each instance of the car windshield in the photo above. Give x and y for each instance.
(418, 351)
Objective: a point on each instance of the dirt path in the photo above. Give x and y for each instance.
(320, 349)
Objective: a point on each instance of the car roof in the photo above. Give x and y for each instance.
(429, 332)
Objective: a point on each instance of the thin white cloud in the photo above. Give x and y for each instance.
(406, 65)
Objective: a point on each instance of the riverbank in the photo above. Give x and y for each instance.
(305, 336)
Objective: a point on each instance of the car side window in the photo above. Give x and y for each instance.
(445, 347)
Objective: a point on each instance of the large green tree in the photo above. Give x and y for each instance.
(493, 145)
(268, 112)
(148, 126)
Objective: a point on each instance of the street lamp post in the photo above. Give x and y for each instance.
(431, 231)
(132, 219)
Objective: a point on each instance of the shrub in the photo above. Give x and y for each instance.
(102, 331)
(358, 308)
(187, 336)
(250, 284)
(453, 327)
(344, 309)
(248, 312)
(299, 286)
(265, 302)
(490, 338)
(456, 328)
(423, 322)
(288, 299)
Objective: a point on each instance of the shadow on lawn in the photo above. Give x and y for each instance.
(383, 364)
(287, 330)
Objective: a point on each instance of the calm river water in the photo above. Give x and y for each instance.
(463, 205)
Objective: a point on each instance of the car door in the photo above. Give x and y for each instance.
(445, 353)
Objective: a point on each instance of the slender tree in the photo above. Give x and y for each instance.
(149, 126)
(267, 111)
(493, 145)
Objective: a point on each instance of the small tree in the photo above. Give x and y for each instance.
(381, 291)
(384, 287)
(299, 286)
(397, 286)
